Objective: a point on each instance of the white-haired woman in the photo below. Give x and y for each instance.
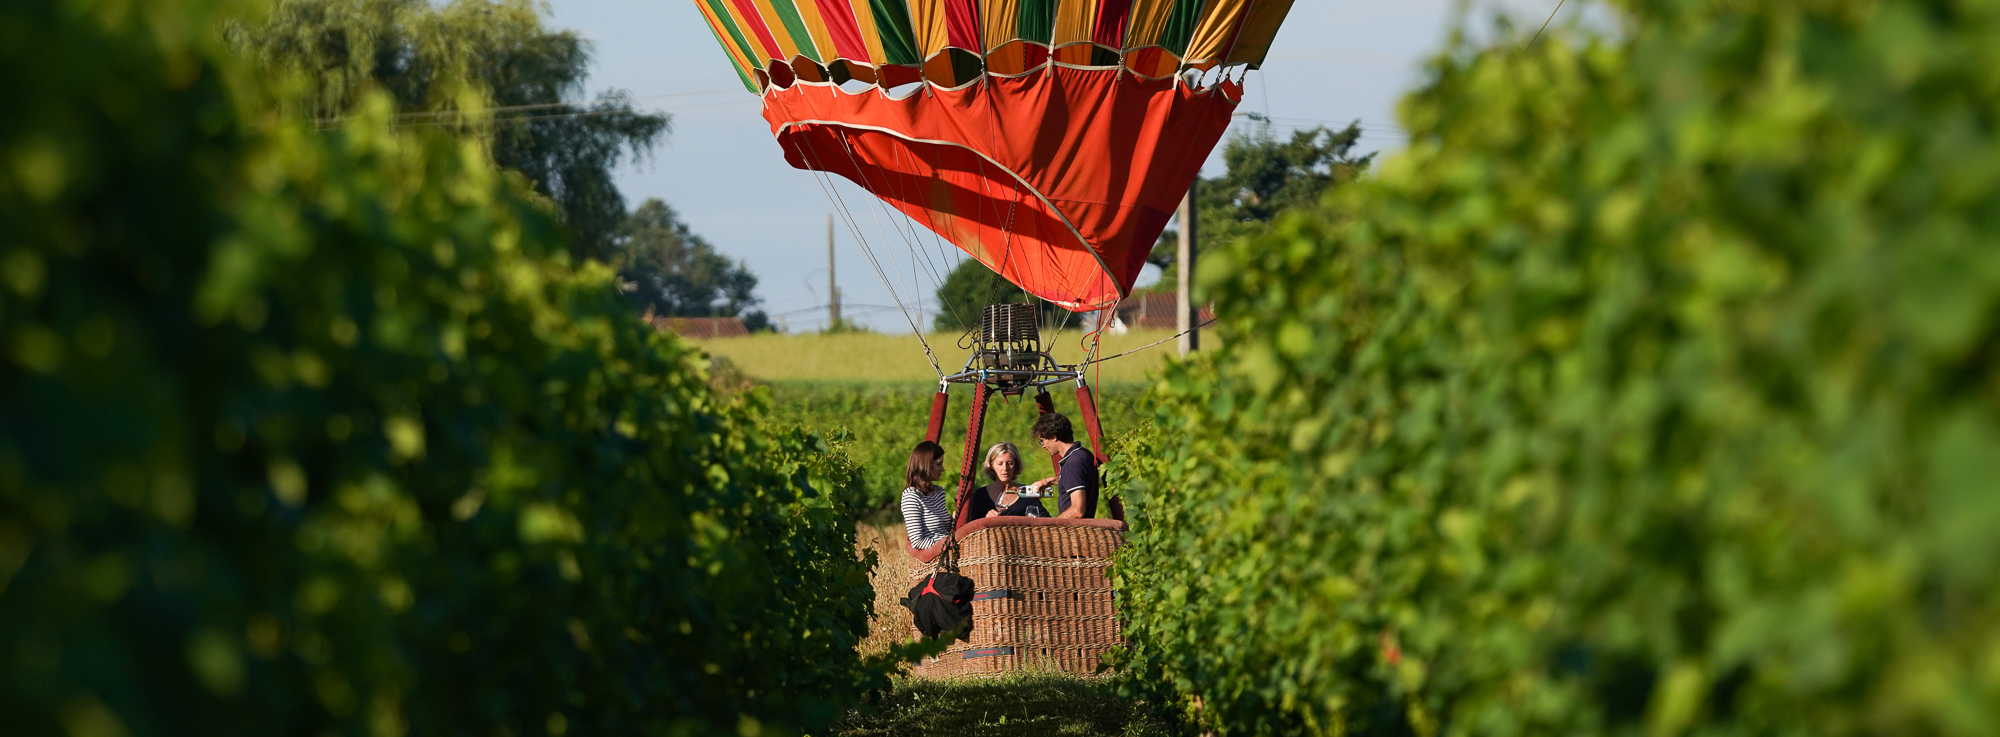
(1002, 497)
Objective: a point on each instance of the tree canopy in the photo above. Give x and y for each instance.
(1267, 175)
(972, 286)
(489, 69)
(677, 273)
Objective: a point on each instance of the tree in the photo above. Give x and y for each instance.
(1266, 176)
(972, 286)
(678, 273)
(488, 69)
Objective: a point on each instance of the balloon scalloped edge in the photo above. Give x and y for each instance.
(1202, 75)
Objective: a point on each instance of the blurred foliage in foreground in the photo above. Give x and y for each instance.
(318, 433)
(1265, 176)
(1654, 390)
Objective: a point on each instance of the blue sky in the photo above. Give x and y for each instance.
(1334, 61)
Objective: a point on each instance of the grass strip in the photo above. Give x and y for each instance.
(1023, 704)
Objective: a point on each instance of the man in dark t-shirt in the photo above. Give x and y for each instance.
(1075, 482)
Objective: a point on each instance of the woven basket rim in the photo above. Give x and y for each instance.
(931, 553)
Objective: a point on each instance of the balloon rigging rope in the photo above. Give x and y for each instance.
(916, 295)
(873, 262)
(847, 215)
(911, 239)
(915, 242)
(937, 242)
(1006, 242)
(917, 248)
(1205, 323)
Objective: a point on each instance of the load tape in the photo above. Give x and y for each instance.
(993, 594)
(988, 652)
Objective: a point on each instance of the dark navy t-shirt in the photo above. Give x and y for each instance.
(1079, 471)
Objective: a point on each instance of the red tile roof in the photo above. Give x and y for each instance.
(701, 328)
(1155, 310)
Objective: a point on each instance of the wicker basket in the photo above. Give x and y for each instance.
(1058, 611)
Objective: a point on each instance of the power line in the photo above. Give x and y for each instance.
(457, 113)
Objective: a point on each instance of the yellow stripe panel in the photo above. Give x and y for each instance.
(1218, 26)
(815, 25)
(864, 16)
(1149, 20)
(1002, 21)
(928, 21)
(728, 46)
(1075, 19)
(756, 46)
(776, 23)
(1258, 30)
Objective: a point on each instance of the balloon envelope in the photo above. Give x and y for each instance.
(1052, 140)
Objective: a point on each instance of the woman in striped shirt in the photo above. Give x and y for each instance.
(925, 518)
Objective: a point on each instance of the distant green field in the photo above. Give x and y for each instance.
(892, 357)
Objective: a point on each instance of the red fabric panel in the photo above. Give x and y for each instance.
(1086, 403)
(758, 29)
(1060, 180)
(975, 428)
(1112, 16)
(845, 30)
(938, 405)
(961, 25)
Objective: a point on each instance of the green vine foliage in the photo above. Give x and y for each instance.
(1654, 390)
(317, 432)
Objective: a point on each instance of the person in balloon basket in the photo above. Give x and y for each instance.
(926, 519)
(1002, 498)
(1075, 482)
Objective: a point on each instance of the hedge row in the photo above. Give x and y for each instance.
(1655, 389)
(315, 432)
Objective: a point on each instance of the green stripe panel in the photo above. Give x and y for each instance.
(1180, 26)
(729, 23)
(1035, 20)
(789, 15)
(740, 73)
(892, 26)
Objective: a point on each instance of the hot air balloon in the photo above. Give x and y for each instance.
(1051, 140)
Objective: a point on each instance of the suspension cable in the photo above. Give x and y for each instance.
(847, 215)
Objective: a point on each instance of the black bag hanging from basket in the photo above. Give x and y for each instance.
(941, 603)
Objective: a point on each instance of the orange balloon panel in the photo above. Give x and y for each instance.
(1060, 180)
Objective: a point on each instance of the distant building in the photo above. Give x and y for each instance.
(1155, 311)
(701, 328)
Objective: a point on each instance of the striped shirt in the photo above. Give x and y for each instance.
(925, 518)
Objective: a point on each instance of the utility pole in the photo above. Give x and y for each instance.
(1186, 312)
(832, 284)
